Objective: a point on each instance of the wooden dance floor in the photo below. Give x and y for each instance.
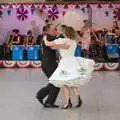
(18, 88)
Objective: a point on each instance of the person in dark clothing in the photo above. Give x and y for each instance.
(49, 64)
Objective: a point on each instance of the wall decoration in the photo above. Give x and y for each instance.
(33, 9)
(106, 13)
(111, 66)
(35, 64)
(9, 64)
(53, 13)
(1, 13)
(77, 6)
(98, 66)
(83, 9)
(23, 64)
(99, 6)
(22, 13)
(9, 11)
(116, 13)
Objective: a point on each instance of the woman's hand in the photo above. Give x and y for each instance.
(48, 43)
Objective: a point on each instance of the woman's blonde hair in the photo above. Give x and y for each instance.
(70, 32)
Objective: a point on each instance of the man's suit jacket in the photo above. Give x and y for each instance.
(49, 57)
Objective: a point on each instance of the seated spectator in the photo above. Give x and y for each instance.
(29, 39)
(14, 38)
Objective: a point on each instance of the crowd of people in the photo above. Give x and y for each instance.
(91, 40)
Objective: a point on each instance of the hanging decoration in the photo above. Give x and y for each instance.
(116, 13)
(83, 9)
(63, 13)
(73, 4)
(55, 6)
(77, 6)
(106, 13)
(1, 63)
(11, 6)
(66, 6)
(32, 9)
(44, 6)
(99, 6)
(53, 13)
(41, 11)
(1, 7)
(110, 6)
(22, 13)
(9, 11)
(1, 11)
(88, 6)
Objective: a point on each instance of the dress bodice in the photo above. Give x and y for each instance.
(66, 53)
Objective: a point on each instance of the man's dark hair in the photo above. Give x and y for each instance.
(45, 28)
(46, 21)
(63, 26)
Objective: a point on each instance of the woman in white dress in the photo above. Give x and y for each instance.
(72, 71)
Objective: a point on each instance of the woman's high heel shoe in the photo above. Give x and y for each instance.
(67, 106)
(79, 102)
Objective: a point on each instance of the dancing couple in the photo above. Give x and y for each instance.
(66, 71)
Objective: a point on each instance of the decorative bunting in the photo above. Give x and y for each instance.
(23, 64)
(111, 66)
(83, 9)
(1, 13)
(88, 6)
(106, 13)
(63, 13)
(11, 6)
(98, 66)
(99, 6)
(35, 64)
(66, 6)
(33, 9)
(9, 11)
(1, 7)
(110, 6)
(77, 6)
(116, 13)
(44, 6)
(1, 63)
(9, 64)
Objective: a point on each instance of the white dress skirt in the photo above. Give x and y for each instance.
(72, 71)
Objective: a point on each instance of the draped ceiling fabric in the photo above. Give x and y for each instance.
(37, 1)
(20, 1)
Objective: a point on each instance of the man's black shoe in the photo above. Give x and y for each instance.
(40, 100)
(50, 106)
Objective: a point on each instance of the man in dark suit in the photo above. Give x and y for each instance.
(49, 64)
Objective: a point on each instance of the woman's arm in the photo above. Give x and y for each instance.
(56, 46)
(62, 46)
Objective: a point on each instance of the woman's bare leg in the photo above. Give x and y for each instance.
(66, 94)
(77, 93)
(67, 100)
